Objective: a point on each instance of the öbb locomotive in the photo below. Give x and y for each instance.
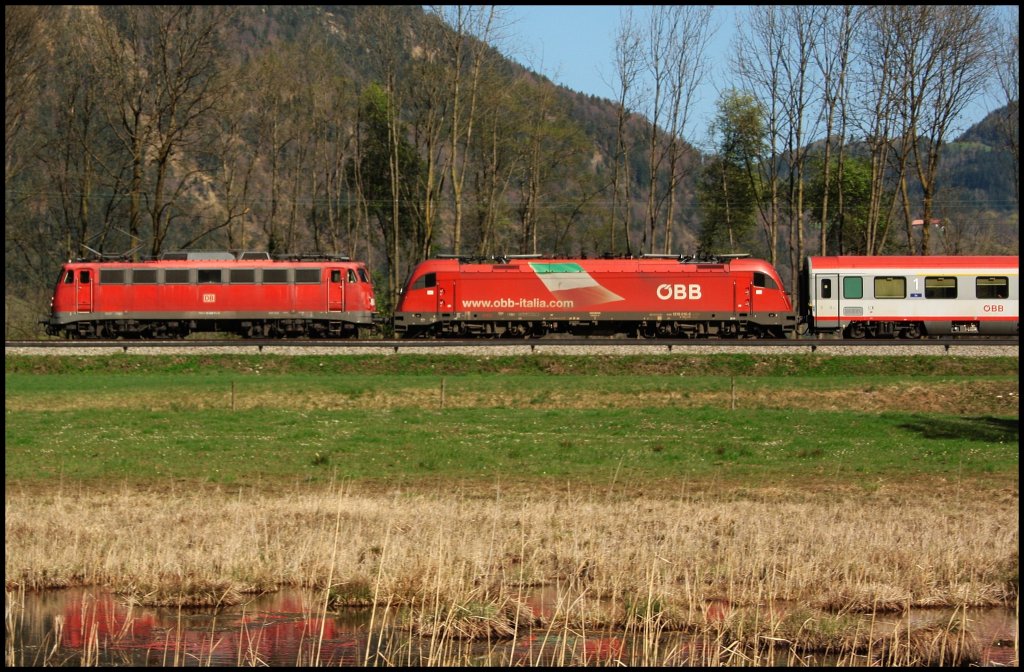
(249, 294)
(645, 297)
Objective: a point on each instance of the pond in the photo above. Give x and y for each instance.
(90, 627)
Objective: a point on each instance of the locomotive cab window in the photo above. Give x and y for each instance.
(363, 276)
(425, 281)
(939, 288)
(111, 277)
(992, 288)
(176, 276)
(853, 287)
(144, 276)
(307, 276)
(890, 288)
(208, 276)
(764, 280)
(351, 275)
(69, 277)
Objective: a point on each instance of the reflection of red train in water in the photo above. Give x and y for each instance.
(250, 295)
(287, 636)
(527, 297)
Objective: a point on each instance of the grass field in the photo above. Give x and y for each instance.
(644, 488)
(595, 420)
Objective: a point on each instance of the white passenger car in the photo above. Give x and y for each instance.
(911, 297)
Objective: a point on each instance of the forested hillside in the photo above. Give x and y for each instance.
(391, 134)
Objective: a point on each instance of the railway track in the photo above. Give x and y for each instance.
(570, 346)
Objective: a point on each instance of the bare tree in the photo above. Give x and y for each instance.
(687, 67)
(955, 63)
(627, 68)
(832, 55)
(24, 48)
(1006, 61)
(760, 53)
(472, 28)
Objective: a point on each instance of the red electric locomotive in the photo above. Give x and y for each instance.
(652, 296)
(250, 295)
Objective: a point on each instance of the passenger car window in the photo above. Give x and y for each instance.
(939, 288)
(826, 289)
(853, 287)
(992, 288)
(890, 288)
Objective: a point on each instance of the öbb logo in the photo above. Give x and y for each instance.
(679, 292)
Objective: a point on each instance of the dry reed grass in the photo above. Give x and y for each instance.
(872, 552)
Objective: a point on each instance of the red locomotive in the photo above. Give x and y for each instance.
(652, 296)
(250, 295)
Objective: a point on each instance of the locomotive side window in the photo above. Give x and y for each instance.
(275, 276)
(307, 276)
(144, 276)
(826, 289)
(939, 288)
(890, 288)
(992, 288)
(84, 277)
(335, 276)
(111, 277)
(853, 287)
(242, 276)
(208, 276)
(764, 280)
(176, 276)
(425, 281)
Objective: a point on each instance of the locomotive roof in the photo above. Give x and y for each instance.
(217, 261)
(594, 263)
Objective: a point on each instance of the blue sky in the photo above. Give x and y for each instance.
(574, 46)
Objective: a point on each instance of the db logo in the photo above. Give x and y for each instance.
(679, 292)
(209, 298)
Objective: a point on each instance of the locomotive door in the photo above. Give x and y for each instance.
(826, 300)
(84, 291)
(336, 290)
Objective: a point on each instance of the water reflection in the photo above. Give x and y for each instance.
(89, 627)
